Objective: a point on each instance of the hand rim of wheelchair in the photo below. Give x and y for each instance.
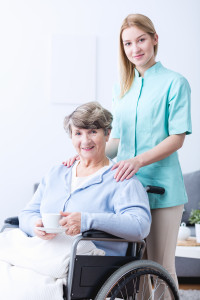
(125, 274)
(95, 235)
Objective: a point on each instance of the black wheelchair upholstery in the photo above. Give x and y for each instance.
(90, 272)
(88, 275)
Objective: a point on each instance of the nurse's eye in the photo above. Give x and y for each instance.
(127, 44)
(141, 40)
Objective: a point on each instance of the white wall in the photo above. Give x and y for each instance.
(32, 137)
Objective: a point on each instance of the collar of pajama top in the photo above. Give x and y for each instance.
(77, 182)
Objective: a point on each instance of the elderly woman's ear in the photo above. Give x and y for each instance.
(108, 131)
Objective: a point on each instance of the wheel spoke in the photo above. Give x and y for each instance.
(144, 281)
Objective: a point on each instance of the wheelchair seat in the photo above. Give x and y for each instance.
(113, 277)
(90, 272)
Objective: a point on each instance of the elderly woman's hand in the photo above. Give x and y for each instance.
(42, 234)
(70, 161)
(72, 222)
(126, 168)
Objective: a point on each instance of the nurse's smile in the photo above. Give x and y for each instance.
(138, 56)
(139, 48)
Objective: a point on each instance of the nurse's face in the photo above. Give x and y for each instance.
(139, 47)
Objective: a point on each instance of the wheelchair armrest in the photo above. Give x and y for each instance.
(99, 234)
(155, 189)
(12, 221)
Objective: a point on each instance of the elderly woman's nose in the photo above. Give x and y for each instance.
(85, 138)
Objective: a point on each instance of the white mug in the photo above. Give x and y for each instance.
(184, 232)
(51, 220)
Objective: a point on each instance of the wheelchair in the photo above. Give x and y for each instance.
(114, 277)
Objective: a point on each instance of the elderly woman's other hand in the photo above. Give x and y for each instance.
(42, 234)
(72, 222)
(70, 161)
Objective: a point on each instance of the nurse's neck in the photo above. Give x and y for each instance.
(142, 69)
(141, 72)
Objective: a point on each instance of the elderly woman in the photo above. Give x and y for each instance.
(86, 194)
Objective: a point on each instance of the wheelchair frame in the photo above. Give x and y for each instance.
(72, 290)
(77, 288)
(104, 268)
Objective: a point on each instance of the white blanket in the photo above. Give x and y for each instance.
(36, 269)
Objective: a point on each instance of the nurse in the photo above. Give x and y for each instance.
(151, 107)
(151, 119)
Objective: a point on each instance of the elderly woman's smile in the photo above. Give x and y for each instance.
(86, 194)
(89, 143)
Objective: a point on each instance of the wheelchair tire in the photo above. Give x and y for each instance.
(130, 282)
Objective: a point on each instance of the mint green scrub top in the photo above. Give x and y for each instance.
(155, 107)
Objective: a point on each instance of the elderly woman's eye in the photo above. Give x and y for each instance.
(77, 133)
(94, 131)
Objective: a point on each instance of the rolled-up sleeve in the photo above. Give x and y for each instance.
(179, 120)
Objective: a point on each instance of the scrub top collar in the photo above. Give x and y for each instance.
(152, 70)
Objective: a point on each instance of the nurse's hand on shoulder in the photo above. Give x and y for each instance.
(126, 168)
(42, 234)
(70, 161)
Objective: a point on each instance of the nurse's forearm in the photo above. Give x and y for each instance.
(112, 148)
(162, 150)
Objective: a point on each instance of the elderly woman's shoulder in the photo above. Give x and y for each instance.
(58, 169)
(132, 181)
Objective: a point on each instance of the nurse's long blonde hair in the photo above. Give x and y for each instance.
(126, 68)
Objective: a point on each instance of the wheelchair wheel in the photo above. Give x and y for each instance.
(138, 280)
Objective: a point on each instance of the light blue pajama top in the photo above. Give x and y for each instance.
(155, 107)
(121, 209)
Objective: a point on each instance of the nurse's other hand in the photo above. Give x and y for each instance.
(126, 168)
(70, 161)
(42, 234)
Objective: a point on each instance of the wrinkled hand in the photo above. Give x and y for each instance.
(72, 222)
(126, 168)
(42, 234)
(70, 161)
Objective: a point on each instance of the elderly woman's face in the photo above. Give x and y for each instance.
(89, 143)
